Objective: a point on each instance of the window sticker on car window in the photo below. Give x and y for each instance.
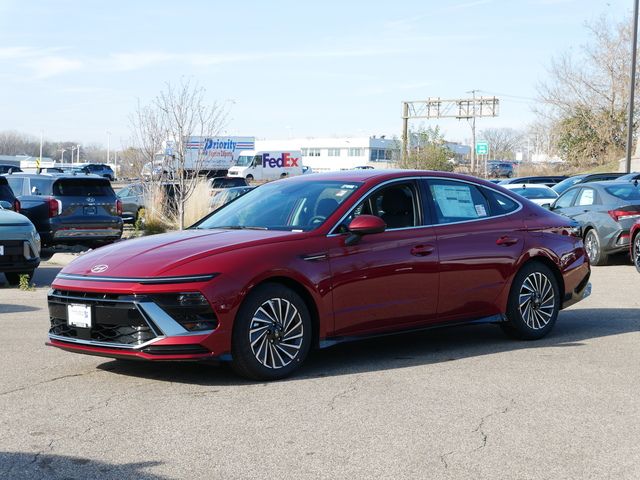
(454, 201)
(349, 186)
(481, 211)
(341, 193)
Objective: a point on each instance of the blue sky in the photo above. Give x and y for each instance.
(75, 69)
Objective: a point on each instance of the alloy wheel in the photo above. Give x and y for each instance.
(536, 300)
(591, 246)
(276, 333)
(636, 251)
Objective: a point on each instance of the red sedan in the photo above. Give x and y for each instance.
(316, 259)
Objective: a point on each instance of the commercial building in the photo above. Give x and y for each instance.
(339, 153)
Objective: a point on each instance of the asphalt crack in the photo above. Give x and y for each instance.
(352, 387)
(55, 379)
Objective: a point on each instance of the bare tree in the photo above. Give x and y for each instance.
(503, 142)
(168, 126)
(586, 95)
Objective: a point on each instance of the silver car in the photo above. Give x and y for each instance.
(19, 245)
(606, 211)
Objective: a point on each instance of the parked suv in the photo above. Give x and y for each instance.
(548, 180)
(7, 195)
(9, 169)
(500, 169)
(564, 185)
(134, 199)
(69, 210)
(99, 169)
(19, 245)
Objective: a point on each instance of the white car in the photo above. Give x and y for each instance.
(537, 193)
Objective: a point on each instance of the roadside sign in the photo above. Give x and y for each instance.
(482, 148)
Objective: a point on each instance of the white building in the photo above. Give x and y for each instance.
(340, 153)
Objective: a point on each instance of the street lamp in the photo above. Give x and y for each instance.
(62, 150)
(108, 145)
(632, 87)
(72, 149)
(78, 152)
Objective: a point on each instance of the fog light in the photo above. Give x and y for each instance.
(191, 300)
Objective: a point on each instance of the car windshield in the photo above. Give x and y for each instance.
(566, 184)
(300, 206)
(625, 192)
(535, 192)
(244, 160)
(227, 182)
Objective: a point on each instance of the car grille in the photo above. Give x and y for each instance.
(116, 320)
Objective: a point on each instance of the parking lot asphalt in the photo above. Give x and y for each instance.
(460, 402)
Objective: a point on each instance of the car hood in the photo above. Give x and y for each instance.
(9, 218)
(161, 255)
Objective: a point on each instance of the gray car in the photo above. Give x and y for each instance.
(19, 245)
(606, 211)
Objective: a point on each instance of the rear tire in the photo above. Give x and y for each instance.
(46, 255)
(534, 303)
(13, 278)
(594, 249)
(272, 333)
(635, 252)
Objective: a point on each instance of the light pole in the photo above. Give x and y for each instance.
(72, 149)
(62, 150)
(108, 145)
(632, 86)
(78, 152)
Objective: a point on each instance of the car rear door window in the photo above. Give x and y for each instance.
(587, 197)
(566, 200)
(16, 184)
(457, 201)
(82, 187)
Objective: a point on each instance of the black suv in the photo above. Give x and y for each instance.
(7, 195)
(99, 169)
(9, 169)
(564, 185)
(69, 210)
(548, 180)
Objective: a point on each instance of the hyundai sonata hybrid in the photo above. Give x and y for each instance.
(313, 260)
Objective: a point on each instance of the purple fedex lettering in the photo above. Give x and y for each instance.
(286, 160)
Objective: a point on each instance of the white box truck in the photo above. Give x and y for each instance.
(263, 165)
(203, 155)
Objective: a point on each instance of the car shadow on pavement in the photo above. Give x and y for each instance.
(44, 276)
(573, 329)
(27, 466)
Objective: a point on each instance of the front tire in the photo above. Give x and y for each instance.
(534, 303)
(271, 334)
(594, 249)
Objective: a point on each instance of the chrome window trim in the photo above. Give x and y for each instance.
(520, 205)
(141, 280)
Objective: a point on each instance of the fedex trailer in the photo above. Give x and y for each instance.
(263, 165)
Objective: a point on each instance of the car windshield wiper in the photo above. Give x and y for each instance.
(240, 227)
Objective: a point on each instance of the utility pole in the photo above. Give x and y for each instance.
(459, 108)
(632, 86)
(38, 163)
(108, 145)
(78, 152)
(472, 121)
(62, 150)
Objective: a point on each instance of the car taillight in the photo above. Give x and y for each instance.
(119, 207)
(16, 205)
(55, 207)
(625, 213)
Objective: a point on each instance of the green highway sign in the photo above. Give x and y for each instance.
(482, 148)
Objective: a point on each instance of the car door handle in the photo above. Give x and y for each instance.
(422, 250)
(506, 241)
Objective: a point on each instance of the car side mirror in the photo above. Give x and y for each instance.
(364, 225)
(5, 205)
(546, 205)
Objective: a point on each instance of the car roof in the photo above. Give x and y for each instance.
(54, 176)
(381, 175)
(512, 186)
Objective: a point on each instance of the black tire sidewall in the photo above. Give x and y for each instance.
(600, 258)
(243, 359)
(516, 325)
(635, 258)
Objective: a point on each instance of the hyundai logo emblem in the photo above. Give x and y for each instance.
(99, 268)
(91, 199)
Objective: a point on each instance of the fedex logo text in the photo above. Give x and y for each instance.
(286, 160)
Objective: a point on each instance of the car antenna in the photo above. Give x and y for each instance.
(635, 182)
